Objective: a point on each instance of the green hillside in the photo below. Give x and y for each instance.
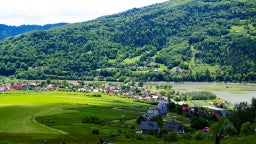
(191, 40)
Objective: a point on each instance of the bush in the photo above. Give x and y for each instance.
(139, 137)
(171, 137)
(246, 129)
(198, 123)
(187, 136)
(202, 95)
(151, 132)
(199, 135)
(96, 95)
(95, 131)
(162, 133)
(128, 136)
(227, 128)
(112, 135)
(158, 119)
(93, 119)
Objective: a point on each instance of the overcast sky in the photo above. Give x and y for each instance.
(18, 12)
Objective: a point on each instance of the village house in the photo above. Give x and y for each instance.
(3, 88)
(142, 68)
(215, 110)
(162, 108)
(137, 97)
(82, 90)
(155, 97)
(142, 118)
(173, 126)
(147, 126)
(152, 112)
(35, 86)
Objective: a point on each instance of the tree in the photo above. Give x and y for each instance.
(140, 84)
(198, 135)
(242, 113)
(158, 119)
(227, 128)
(246, 129)
(171, 106)
(198, 123)
(48, 81)
(253, 107)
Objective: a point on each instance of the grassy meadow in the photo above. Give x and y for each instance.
(30, 117)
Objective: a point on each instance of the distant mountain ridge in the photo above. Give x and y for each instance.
(189, 40)
(7, 31)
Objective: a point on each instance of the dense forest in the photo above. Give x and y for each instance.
(189, 40)
(7, 31)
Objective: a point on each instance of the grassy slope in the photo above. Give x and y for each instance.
(60, 113)
(18, 110)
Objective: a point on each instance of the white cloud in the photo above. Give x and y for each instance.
(17, 12)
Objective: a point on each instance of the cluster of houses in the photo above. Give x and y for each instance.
(17, 86)
(212, 110)
(105, 88)
(27, 86)
(132, 91)
(135, 92)
(148, 126)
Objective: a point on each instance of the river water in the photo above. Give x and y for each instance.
(233, 93)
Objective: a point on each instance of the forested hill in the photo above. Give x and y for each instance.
(6, 31)
(188, 40)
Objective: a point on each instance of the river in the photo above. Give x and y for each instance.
(233, 93)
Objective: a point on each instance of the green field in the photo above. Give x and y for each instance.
(31, 117)
(34, 116)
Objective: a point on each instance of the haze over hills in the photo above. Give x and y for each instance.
(6, 31)
(192, 40)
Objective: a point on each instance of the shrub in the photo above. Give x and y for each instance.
(246, 129)
(93, 119)
(151, 132)
(203, 95)
(227, 128)
(187, 136)
(198, 123)
(199, 135)
(95, 131)
(112, 135)
(122, 118)
(128, 136)
(171, 137)
(139, 137)
(153, 102)
(96, 95)
(162, 133)
(158, 119)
